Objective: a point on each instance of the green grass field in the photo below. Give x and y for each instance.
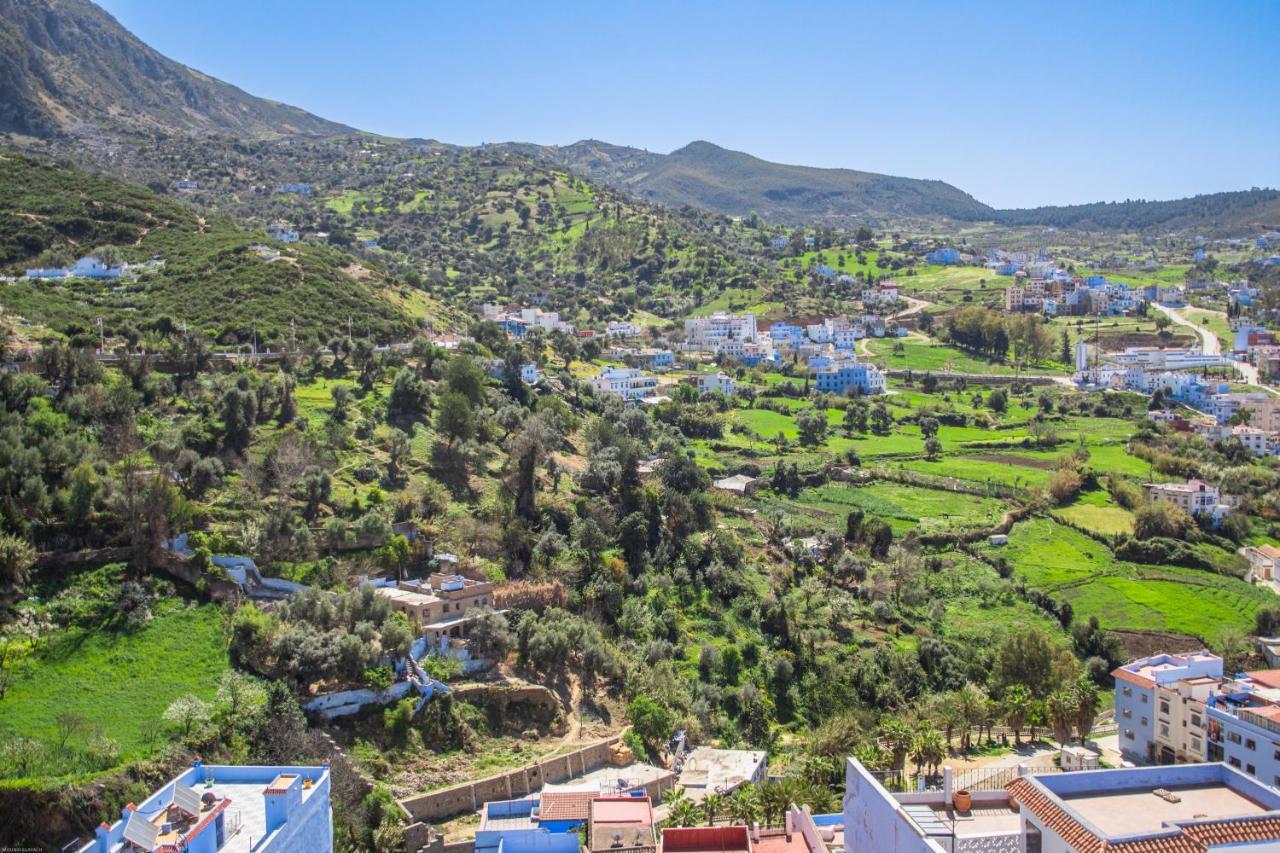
(939, 358)
(1214, 321)
(1073, 566)
(121, 681)
(1098, 512)
(904, 507)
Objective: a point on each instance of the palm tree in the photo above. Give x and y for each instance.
(949, 713)
(871, 756)
(931, 749)
(1060, 708)
(1017, 709)
(712, 805)
(744, 805)
(972, 701)
(1087, 704)
(683, 812)
(820, 799)
(898, 737)
(774, 799)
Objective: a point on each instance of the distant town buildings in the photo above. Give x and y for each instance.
(87, 267)
(945, 257)
(282, 233)
(519, 320)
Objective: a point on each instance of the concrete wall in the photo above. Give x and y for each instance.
(469, 796)
(873, 820)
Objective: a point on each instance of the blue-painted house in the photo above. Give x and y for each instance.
(945, 256)
(208, 808)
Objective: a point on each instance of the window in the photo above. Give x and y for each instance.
(1164, 706)
(1248, 768)
(1144, 722)
(1234, 762)
(1233, 737)
(1164, 730)
(1144, 698)
(1127, 690)
(1128, 734)
(1250, 744)
(1197, 723)
(1195, 745)
(1127, 713)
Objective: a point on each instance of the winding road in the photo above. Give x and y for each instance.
(1209, 342)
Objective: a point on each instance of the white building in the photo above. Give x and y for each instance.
(1194, 497)
(625, 382)
(1264, 562)
(1255, 441)
(617, 329)
(710, 333)
(709, 383)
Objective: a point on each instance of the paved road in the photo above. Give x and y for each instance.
(1209, 342)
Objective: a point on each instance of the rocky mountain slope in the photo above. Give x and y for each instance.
(68, 66)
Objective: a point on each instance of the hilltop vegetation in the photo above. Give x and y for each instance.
(732, 182)
(210, 279)
(1257, 209)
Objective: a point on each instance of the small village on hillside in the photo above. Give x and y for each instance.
(909, 486)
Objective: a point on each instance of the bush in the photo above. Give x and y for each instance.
(1064, 485)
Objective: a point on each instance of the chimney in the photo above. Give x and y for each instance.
(281, 799)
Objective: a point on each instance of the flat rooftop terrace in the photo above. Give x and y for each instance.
(1133, 811)
(980, 820)
(607, 779)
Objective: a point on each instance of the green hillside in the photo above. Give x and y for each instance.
(210, 278)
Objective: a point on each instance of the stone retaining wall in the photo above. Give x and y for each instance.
(470, 796)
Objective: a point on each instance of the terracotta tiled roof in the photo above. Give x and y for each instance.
(1234, 831)
(1192, 837)
(566, 805)
(1132, 677)
(1031, 798)
(1269, 677)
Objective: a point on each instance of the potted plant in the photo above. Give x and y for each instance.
(962, 801)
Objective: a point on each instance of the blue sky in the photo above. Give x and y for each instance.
(1017, 103)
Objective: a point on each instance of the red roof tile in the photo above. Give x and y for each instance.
(566, 805)
(1268, 677)
(1192, 837)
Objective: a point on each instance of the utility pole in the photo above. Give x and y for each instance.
(255, 338)
(102, 340)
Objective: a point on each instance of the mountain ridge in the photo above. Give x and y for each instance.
(67, 66)
(702, 173)
(69, 71)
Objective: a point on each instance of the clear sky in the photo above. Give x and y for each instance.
(1018, 103)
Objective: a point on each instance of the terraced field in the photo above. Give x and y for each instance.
(1072, 566)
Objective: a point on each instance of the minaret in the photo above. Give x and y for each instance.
(1082, 356)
